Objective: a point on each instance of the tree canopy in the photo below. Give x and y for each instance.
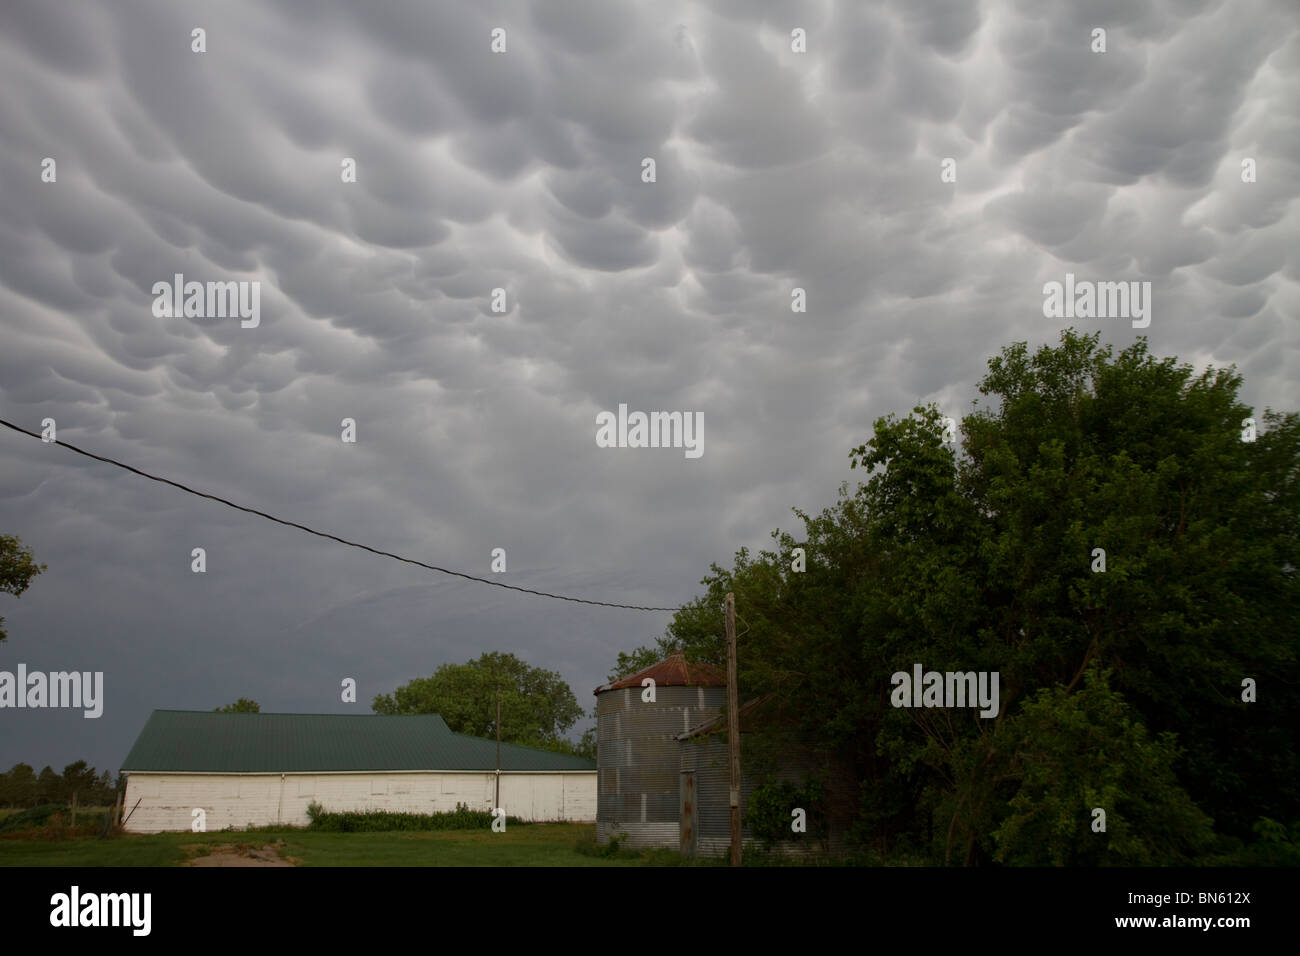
(241, 706)
(17, 568)
(1125, 689)
(537, 706)
(21, 787)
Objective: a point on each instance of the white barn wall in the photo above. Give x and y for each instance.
(167, 800)
(550, 796)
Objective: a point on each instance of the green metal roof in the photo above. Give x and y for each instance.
(189, 741)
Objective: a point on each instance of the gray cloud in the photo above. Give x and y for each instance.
(522, 171)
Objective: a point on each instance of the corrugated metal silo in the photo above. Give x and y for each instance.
(638, 756)
(704, 762)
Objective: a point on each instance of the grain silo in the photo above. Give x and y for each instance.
(638, 757)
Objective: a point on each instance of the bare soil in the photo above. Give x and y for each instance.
(237, 854)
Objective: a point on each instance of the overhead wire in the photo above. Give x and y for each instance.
(323, 534)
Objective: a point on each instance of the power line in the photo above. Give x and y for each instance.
(331, 537)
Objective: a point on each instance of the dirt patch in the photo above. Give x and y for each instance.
(241, 854)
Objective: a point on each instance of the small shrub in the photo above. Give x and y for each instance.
(589, 847)
(1276, 845)
(31, 818)
(49, 824)
(768, 811)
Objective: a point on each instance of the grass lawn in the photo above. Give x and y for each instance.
(540, 844)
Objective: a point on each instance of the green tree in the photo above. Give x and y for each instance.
(584, 747)
(17, 568)
(104, 792)
(982, 556)
(79, 780)
(49, 788)
(20, 786)
(587, 744)
(241, 706)
(537, 706)
(1075, 753)
(639, 659)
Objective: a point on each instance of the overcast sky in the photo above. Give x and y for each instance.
(523, 170)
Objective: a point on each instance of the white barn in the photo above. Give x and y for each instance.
(261, 769)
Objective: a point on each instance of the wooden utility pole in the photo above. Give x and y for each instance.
(733, 728)
(498, 800)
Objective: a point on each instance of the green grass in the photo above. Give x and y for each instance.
(539, 844)
(162, 850)
(96, 812)
(543, 844)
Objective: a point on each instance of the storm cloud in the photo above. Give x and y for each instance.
(523, 171)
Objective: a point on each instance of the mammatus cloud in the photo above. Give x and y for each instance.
(523, 171)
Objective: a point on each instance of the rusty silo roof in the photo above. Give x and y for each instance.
(674, 671)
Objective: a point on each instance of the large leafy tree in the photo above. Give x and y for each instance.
(17, 568)
(537, 706)
(984, 557)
